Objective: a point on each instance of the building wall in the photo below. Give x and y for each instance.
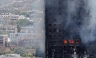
(8, 28)
(11, 16)
(2, 21)
(62, 22)
(3, 39)
(20, 36)
(54, 28)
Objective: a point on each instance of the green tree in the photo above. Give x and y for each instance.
(8, 52)
(17, 12)
(25, 55)
(24, 22)
(18, 28)
(22, 51)
(21, 13)
(25, 13)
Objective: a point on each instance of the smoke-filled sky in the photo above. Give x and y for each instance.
(81, 19)
(89, 34)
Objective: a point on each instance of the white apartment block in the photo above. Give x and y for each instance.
(2, 21)
(12, 16)
(20, 36)
(8, 28)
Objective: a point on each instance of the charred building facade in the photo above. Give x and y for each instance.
(54, 30)
(63, 19)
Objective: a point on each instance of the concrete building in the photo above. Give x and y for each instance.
(31, 43)
(8, 28)
(22, 17)
(12, 56)
(20, 36)
(63, 22)
(27, 29)
(31, 29)
(3, 40)
(11, 16)
(14, 17)
(4, 20)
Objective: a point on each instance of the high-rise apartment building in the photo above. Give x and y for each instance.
(63, 20)
(54, 28)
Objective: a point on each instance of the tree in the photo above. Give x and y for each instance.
(18, 28)
(21, 13)
(22, 51)
(25, 13)
(8, 52)
(17, 12)
(24, 22)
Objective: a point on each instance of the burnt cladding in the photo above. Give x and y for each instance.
(54, 28)
(61, 24)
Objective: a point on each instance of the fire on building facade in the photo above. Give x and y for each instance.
(62, 36)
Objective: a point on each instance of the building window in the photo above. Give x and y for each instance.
(54, 24)
(50, 25)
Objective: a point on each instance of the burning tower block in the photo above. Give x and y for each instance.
(63, 19)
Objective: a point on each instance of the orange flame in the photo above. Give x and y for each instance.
(71, 41)
(65, 41)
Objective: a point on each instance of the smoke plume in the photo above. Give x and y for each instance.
(88, 29)
(81, 20)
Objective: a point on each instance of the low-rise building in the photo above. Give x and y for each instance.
(3, 21)
(14, 17)
(26, 39)
(12, 56)
(3, 40)
(28, 29)
(22, 17)
(20, 36)
(31, 43)
(8, 28)
(10, 16)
